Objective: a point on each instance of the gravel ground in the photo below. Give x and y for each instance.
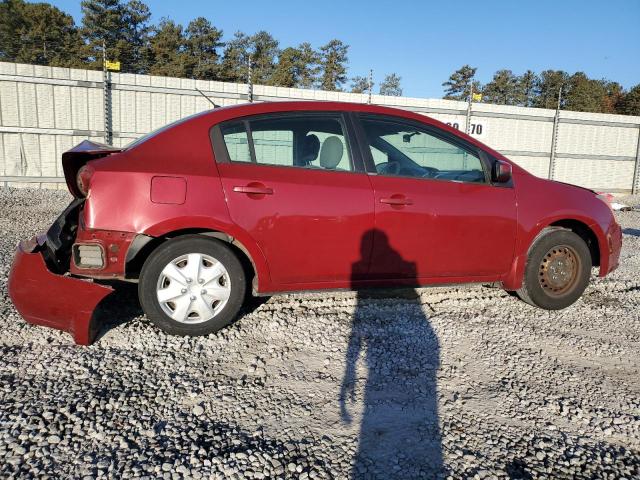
(467, 381)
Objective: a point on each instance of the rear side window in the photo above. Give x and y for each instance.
(304, 141)
(237, 142)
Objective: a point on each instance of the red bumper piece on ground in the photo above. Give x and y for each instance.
(56, 301)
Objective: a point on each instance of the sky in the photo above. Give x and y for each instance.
(425, 41)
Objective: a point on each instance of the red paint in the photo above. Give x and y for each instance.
(442, 234)
(114, 245)
(309, 228)
(171, 190)
(305, 229)
(55, 301)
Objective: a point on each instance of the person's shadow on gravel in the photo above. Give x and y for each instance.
(399, 430)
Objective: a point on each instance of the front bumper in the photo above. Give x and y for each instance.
(614, 246)
(53, 300)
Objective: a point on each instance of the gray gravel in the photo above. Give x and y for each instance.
(467, 381)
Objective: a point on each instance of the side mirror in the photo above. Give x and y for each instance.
(501, 172)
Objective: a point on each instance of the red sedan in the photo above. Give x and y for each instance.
(295, 196)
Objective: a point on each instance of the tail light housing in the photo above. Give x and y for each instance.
(83, 179)
(89, 256)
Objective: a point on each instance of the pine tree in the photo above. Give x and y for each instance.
(134, 47)
(334, 60)
(548, 85)
(459, 84)
(391, 86)
(286, 73)
(308, 66)
(296, 67)
(360, 84)
(585, 94)
(12, 23)
(38, 33)
(263, 53)
(202, 43)
(235, 59)
(502, 89)
(104, 21)
(526, 89)
(630, 104)
(168, 53)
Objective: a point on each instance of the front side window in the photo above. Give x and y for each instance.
(404, 150)
(305, 141)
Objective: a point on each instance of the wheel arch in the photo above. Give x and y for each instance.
(589, 232)
(585, 232)
(142, 246)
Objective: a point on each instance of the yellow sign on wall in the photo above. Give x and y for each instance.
(476, 97)
(115, 66)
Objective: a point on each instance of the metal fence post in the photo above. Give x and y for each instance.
(554, 138)
(467, 127)
(635, 186)
(106, 93)
(250, 82)
(370, 84)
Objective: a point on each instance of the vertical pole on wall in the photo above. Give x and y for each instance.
(554, 137)
(370, 84)
(106, 92)
(467, 127)
(635, 187)
(250, 82)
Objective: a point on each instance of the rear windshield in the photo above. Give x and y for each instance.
(152, 134)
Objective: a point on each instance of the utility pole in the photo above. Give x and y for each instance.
(370, 84)
(106, 91)
(554, 136)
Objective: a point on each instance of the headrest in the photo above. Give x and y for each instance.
(310, 149)
(331, 152)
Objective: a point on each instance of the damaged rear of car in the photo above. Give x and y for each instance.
(39, 283)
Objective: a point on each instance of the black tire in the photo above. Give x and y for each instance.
(173, 249)
(550, 253)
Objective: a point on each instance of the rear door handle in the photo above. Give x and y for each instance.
(254, 189)
(397, 200)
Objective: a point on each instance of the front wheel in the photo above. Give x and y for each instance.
(192, 286)
(557, 270)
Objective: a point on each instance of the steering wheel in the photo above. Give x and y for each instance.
(430, 172)
(388, 168)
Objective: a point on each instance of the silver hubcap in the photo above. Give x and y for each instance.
(193, 288)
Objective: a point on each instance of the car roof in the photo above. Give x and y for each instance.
(211, 117)
(231, 112)
(311, 105)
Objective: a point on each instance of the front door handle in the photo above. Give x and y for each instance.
(255, 189)
(396, 200)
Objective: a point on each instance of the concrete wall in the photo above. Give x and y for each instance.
(46, 110)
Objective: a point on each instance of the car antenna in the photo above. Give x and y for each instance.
(210, 101)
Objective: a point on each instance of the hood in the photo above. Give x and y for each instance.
(572, 185)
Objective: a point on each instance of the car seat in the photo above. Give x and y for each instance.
(331, 152)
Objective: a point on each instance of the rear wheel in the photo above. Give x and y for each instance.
(557, 270)
(192, 285)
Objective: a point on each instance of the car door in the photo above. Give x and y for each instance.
(435, 203)
(292, 182)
